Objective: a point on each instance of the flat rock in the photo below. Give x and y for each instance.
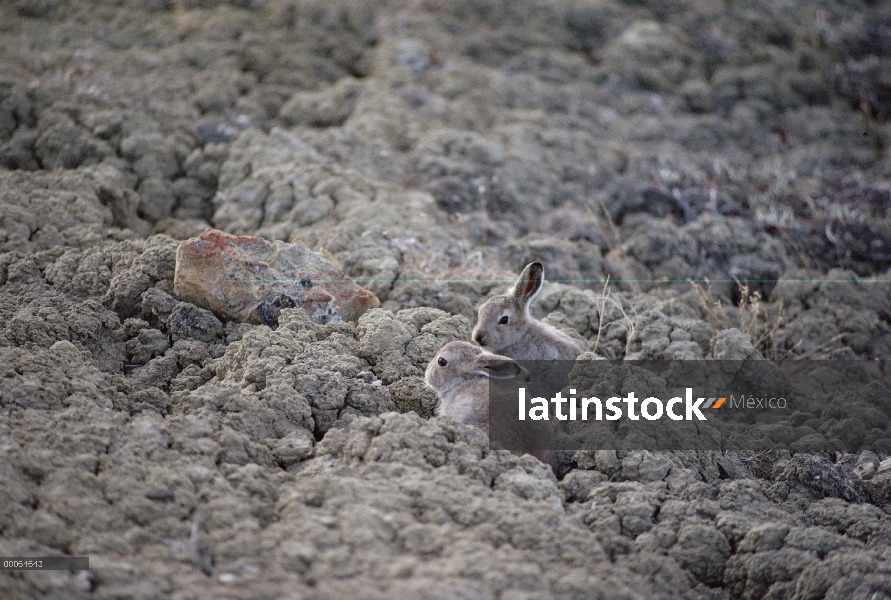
(249, 279)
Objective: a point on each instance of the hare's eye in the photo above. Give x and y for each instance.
(503, 320)
(442, 362)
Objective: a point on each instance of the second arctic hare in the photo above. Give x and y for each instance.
(459, 374)
(504, 325)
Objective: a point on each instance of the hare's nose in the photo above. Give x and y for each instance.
(480, 338)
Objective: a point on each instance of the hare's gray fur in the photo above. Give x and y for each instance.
(504, 325)
(462, 386)
(459, 374)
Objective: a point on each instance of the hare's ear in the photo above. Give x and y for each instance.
(499, 367)
(529, 283)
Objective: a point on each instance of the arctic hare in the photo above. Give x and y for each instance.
(504, 325)
(460, 373)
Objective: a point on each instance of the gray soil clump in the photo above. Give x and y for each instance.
(725, 167)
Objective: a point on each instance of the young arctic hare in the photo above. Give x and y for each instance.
(459, 374)
(504, 325)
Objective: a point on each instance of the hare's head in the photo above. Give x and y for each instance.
(459, 362)
(503, 320)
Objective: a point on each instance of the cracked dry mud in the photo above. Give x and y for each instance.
(433, 147)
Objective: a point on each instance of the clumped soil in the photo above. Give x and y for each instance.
(725, 165)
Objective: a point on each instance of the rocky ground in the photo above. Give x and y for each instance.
(726, 165)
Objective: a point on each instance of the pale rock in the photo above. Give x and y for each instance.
(248, 279)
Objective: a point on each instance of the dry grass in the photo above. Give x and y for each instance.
(762, 322)
(606, 297)
(757, 319)
(615, 245)
(758, 463)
